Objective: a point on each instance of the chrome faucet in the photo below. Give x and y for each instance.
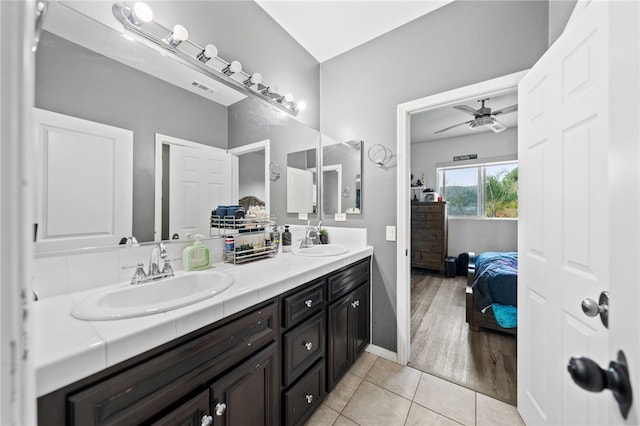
(158, 256)
(311, 236)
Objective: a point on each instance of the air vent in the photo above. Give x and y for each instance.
(203, 87)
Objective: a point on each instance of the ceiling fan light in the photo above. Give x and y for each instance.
(481, 123)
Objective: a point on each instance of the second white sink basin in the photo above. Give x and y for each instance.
(321, 250)
(128, 301)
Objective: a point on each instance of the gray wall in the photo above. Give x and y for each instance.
(437, 52)
(76, 81)
(559, 13)
(243, 31)
(251, 179)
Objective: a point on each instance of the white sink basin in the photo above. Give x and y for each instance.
(320, 250)
(128, 301)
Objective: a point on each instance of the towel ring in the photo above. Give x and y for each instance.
(379, 154)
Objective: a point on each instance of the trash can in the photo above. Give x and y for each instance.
(450, 267)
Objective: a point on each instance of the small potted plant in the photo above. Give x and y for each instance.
(324, 236)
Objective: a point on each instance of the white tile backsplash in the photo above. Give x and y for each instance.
(49, 276)
(90, 270)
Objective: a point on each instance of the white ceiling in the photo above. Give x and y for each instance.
(328, 28)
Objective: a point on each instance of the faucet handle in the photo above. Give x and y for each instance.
(167, 270)
(139, 275)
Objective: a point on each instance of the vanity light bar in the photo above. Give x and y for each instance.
(197, 57)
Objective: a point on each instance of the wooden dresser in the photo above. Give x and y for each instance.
(429, 235)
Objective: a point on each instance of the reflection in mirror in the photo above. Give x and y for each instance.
(302, 182)
(87, 70)
(341, 177)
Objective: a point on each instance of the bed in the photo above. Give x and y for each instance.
(491, 294)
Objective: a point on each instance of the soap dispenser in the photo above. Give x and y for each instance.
(286, 240)
(196, 257)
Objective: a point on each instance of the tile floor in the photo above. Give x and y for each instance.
(380, 392)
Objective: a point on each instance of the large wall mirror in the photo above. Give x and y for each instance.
(87, 70)
(341, 177)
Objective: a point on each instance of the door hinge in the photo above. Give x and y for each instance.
(406, 252)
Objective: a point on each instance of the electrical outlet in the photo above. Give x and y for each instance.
(303, 216)
(391, 233)
(340, 217)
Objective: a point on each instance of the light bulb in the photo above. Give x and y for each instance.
(210, 51)
(288, 97)
(232, 68)
(254, 79)
(302, 105)
(142, 12)
(180, 33)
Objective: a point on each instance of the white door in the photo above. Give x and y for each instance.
(568, 126)
(200, 181)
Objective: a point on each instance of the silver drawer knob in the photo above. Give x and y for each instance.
(308, 303)
(309, 398)
(308, 345)
(221, 407)
(206, 420)
(355, 303)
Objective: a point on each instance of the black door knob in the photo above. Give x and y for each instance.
(587, 374)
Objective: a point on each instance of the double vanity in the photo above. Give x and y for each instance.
(263, 349)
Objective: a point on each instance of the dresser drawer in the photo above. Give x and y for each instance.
(305, 396)
(347, 280)
(303, 345)
(304, 303)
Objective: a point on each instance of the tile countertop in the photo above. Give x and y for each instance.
(67, 349)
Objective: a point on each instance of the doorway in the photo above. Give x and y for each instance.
(407, 111)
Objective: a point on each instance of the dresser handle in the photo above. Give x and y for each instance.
(308, 345)
(309, 398)
(308, 303)
(206, 420)
(221, 407)
(355, 303)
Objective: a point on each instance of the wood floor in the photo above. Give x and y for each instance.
(442, 343)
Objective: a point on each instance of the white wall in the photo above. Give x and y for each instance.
(480, 235)
(425, 155)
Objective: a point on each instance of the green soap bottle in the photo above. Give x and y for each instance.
(196, 257)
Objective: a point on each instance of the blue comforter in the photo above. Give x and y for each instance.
(496, 279)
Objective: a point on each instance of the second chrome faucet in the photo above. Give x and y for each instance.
(158, 257)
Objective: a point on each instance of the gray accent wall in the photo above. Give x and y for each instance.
(462, 43)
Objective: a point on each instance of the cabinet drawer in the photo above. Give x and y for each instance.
(347, 280)
(304, 397)
(303, 345)
(134, 395)
(304, 303)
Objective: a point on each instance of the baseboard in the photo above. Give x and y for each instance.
(382, 352)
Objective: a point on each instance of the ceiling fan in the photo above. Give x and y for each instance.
(483, 117)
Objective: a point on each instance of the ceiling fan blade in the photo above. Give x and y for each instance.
(467, 109)
(451, 127)
(506, 110)
(497, 126)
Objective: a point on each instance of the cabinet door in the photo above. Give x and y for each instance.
(248, 394)
(194, 412)
(360, 305)
(340, 343)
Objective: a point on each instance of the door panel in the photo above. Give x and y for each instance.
(564, 228)
(200, 181)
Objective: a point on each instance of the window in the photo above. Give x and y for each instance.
(485, 190)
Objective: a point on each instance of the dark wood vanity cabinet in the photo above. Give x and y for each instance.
(270, 364)
(348, 326)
